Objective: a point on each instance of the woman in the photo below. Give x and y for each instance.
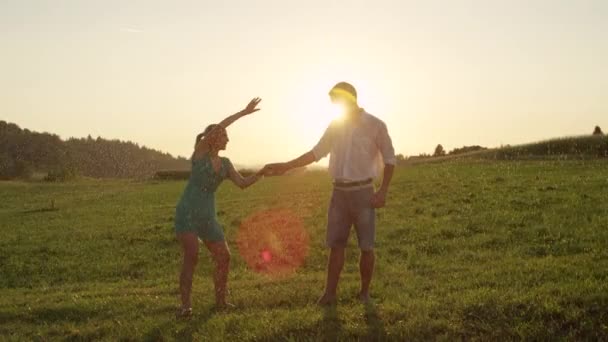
(195, 216)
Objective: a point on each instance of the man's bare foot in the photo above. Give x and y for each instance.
(224, 306)
(327, 299)
(364, 298)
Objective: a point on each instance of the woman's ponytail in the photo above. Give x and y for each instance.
(202, 135)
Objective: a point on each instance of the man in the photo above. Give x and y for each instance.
(358, 145)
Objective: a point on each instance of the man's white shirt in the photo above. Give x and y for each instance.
(357, 149)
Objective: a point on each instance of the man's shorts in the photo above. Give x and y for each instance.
(347, 208)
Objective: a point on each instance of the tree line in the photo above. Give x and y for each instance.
(24, 152)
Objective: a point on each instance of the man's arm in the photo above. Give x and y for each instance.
(385, 145)
(318, 152)
(277, 169)
(303, 160)
(379, 198)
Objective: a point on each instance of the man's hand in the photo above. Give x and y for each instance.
(379, 199)
(275, 169)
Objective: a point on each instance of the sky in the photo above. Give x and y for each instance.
(455, 72)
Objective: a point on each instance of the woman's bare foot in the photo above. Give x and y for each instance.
(327, 299)
(183, 313)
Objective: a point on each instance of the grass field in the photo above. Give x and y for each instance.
(465, 250)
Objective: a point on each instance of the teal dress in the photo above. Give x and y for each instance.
(195, 211)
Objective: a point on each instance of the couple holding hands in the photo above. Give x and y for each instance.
(359, 147)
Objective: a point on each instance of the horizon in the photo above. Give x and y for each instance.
(322, 164)
(486, 73)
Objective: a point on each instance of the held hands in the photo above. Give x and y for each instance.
(275, 169)
(251, 107)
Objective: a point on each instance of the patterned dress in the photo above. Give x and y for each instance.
(195, 211)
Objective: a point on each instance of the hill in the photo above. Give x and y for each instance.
(577, 147)
(24, 152)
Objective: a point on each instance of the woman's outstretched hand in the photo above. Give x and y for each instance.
(251, 107)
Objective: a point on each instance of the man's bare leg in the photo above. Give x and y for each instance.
(366, 268)
(334, 267)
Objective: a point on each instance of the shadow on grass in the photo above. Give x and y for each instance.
(180, 330)
(53, 315)
(375, 326)
(330, 326)
(39, 210)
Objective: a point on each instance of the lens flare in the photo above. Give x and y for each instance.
(337, 110)
(273, 242)
(266, 256)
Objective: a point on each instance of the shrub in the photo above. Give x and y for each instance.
(467, 149)
(60, 175)
(172, 175)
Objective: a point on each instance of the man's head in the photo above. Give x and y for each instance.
(344, 93)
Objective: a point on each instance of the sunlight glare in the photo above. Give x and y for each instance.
(336, 111)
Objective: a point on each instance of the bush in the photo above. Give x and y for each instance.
(60, 175)
(467, 149)
(172, 175)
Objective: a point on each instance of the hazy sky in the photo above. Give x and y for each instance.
(452, 72)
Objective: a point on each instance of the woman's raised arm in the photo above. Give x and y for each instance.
(250, 109)
(201, 146)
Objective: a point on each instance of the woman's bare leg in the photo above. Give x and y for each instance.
(189, 242)
(221, 257)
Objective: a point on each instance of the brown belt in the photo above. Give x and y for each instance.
(352, 184)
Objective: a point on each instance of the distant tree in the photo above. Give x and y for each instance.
(400, 158)
(439, 151)
(467, 149)
(598, 131)
(22, 169)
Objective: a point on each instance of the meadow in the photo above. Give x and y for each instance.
(466, 249)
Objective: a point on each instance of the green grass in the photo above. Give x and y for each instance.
(465, 249)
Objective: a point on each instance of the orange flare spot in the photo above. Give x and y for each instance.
(273, 242)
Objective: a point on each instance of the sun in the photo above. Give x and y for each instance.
(314, 115)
